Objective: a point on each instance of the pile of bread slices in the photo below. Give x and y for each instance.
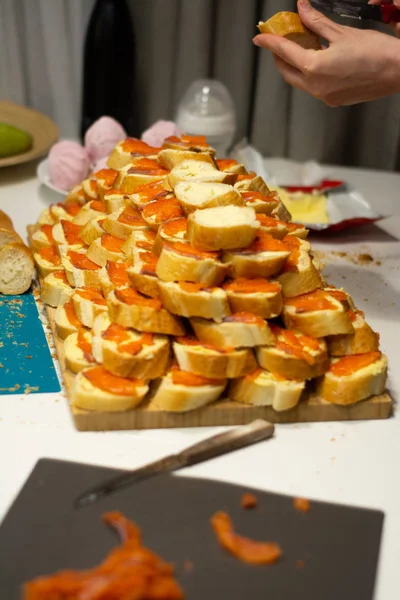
(178, 279)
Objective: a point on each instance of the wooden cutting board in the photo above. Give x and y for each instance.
(329, 553)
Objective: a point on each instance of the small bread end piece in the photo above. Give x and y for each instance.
(289, 25)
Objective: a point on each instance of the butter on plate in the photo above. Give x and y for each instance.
(305, 208)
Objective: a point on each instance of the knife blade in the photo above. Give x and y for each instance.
(385, 13)
(217, 445)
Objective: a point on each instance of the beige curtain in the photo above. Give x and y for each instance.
(178, 41)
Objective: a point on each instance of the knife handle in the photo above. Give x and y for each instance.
(390, 13)
(229, 441)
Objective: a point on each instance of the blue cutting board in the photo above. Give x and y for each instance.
(26, 365)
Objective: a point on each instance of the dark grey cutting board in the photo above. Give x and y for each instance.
(42, 533)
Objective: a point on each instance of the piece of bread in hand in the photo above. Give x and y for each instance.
(97, 389)
(294, 355)
(17, 268)
(107, 247)
(54, 287)
(129, 308)
(222, 228)
(129, 353)
(354, 378)
(182, 262)
(205, 360)
(129, 150)
(172, 157)
(362, 340)
(88, 303)
(289, 25)
(299, 275)
(78, 350)
(317, 314)
(79, 269)
(257, 296)
(142, 171)
(194, 300)
(195, 170)
(262, 388)
(237, 330)
(122, 223)
(170, 232)
(65, 318)
(180, 391)
(265, 257)
(202, 194)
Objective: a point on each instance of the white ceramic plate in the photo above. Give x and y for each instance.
(44, 178)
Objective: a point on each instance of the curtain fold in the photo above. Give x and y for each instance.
(178, 41)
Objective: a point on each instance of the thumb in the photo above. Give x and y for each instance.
(317, 22)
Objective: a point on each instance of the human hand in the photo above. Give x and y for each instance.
(358, 66)
(394, 26)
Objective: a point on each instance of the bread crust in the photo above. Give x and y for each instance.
(212, 304)
(75, 359)
(318, 323)
(302, 279)
(181, 398)
(54, 290)
(211, 229)
(213, 364)
(265, 305)
(150, 363)
(262, 264)
(290, 366)
(175, 266)
(231, 334)
(362, 340)
(266, 390)
(171, 157)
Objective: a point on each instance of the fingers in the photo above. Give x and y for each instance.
(317, 22)
(291, 75)
(291, 53)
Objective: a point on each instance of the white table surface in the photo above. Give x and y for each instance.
(352, 463)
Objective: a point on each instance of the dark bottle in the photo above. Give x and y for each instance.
(109, 66)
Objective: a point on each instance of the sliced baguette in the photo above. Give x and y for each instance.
(257, 296)
(41, 238)
(115, 200)
(222, 228)
(341, 295)
(236, 331)
(289, 25)
(122, 223)
(142, 273)
(128, 150)
(158, 211)
(362, 340)
(229, 165)
(79, 269)
(297, 230)
(142, 238)
(105, 180)
(66, 233)
(9, 236)
(88, 396)
(172, 396)
(90, 189)
(180, 262)
(65, 319)
(354, 378)
(171, 231)
(47, 260)
(265, 257)
(193, 143)
(139, 173)
(201, 359)
(263, 204)
(250, 182)
(262, 388)
(278, 229)
(192, 300)
(100, 325)
(88, 303)
(195, 170)
(93, 230)
(54, 287)
(114, 276)
(299, 275)
(17, 268)
(76, 358)
(107, 247)
(148, 193)
(195, 195)
(172, 157)
(90, 211)
(128, 353)
(316, 314)
(142, 313)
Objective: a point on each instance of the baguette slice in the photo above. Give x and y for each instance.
(66, 233)
(90, 189)
(107, 247)
(93, 230)
(289, 25)
(257, 296)
(317, 314)
(193, 143)
(262, 388)
(299, 275)
(131, 309)
(17, 269)
(278, 229)
(294, 355)
(52, 215)
(122, 223)
(354, 378)
(54, 288)
(105, 180)
(195, 170)
(142, 171)
(170, 232)
(158, 211)
(172, 157)
(129, 150)
(115, 200)
(140, 238)
(222, 228)
(114, 276)
(91, 210)
(128, 353)
(229, 165)
(47, 260)
(195, 195)
(181, 262)
(263, 204)
(297, 230)
(88, 303)
(236, 331)
(362, 340)
(41, 238)
(340, 294)
(202, 359)
(180, 391)
(142, 273)
(65, 319)
(250, 182)
(149, 192)
(97, 389)
(79, 269)
(100, 325)
(78, 350)
(193, 300)
(75, 196)
(265, 257)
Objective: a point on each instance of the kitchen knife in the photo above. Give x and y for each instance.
(385, 13)
(210, 448)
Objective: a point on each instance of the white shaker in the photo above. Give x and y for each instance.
(207, 109)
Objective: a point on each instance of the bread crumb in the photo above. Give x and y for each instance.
(249, 501)
(302, 504)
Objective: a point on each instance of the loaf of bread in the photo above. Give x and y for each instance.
(17, 267)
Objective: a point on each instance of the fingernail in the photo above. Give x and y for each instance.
(303, 4)
(256, 41)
